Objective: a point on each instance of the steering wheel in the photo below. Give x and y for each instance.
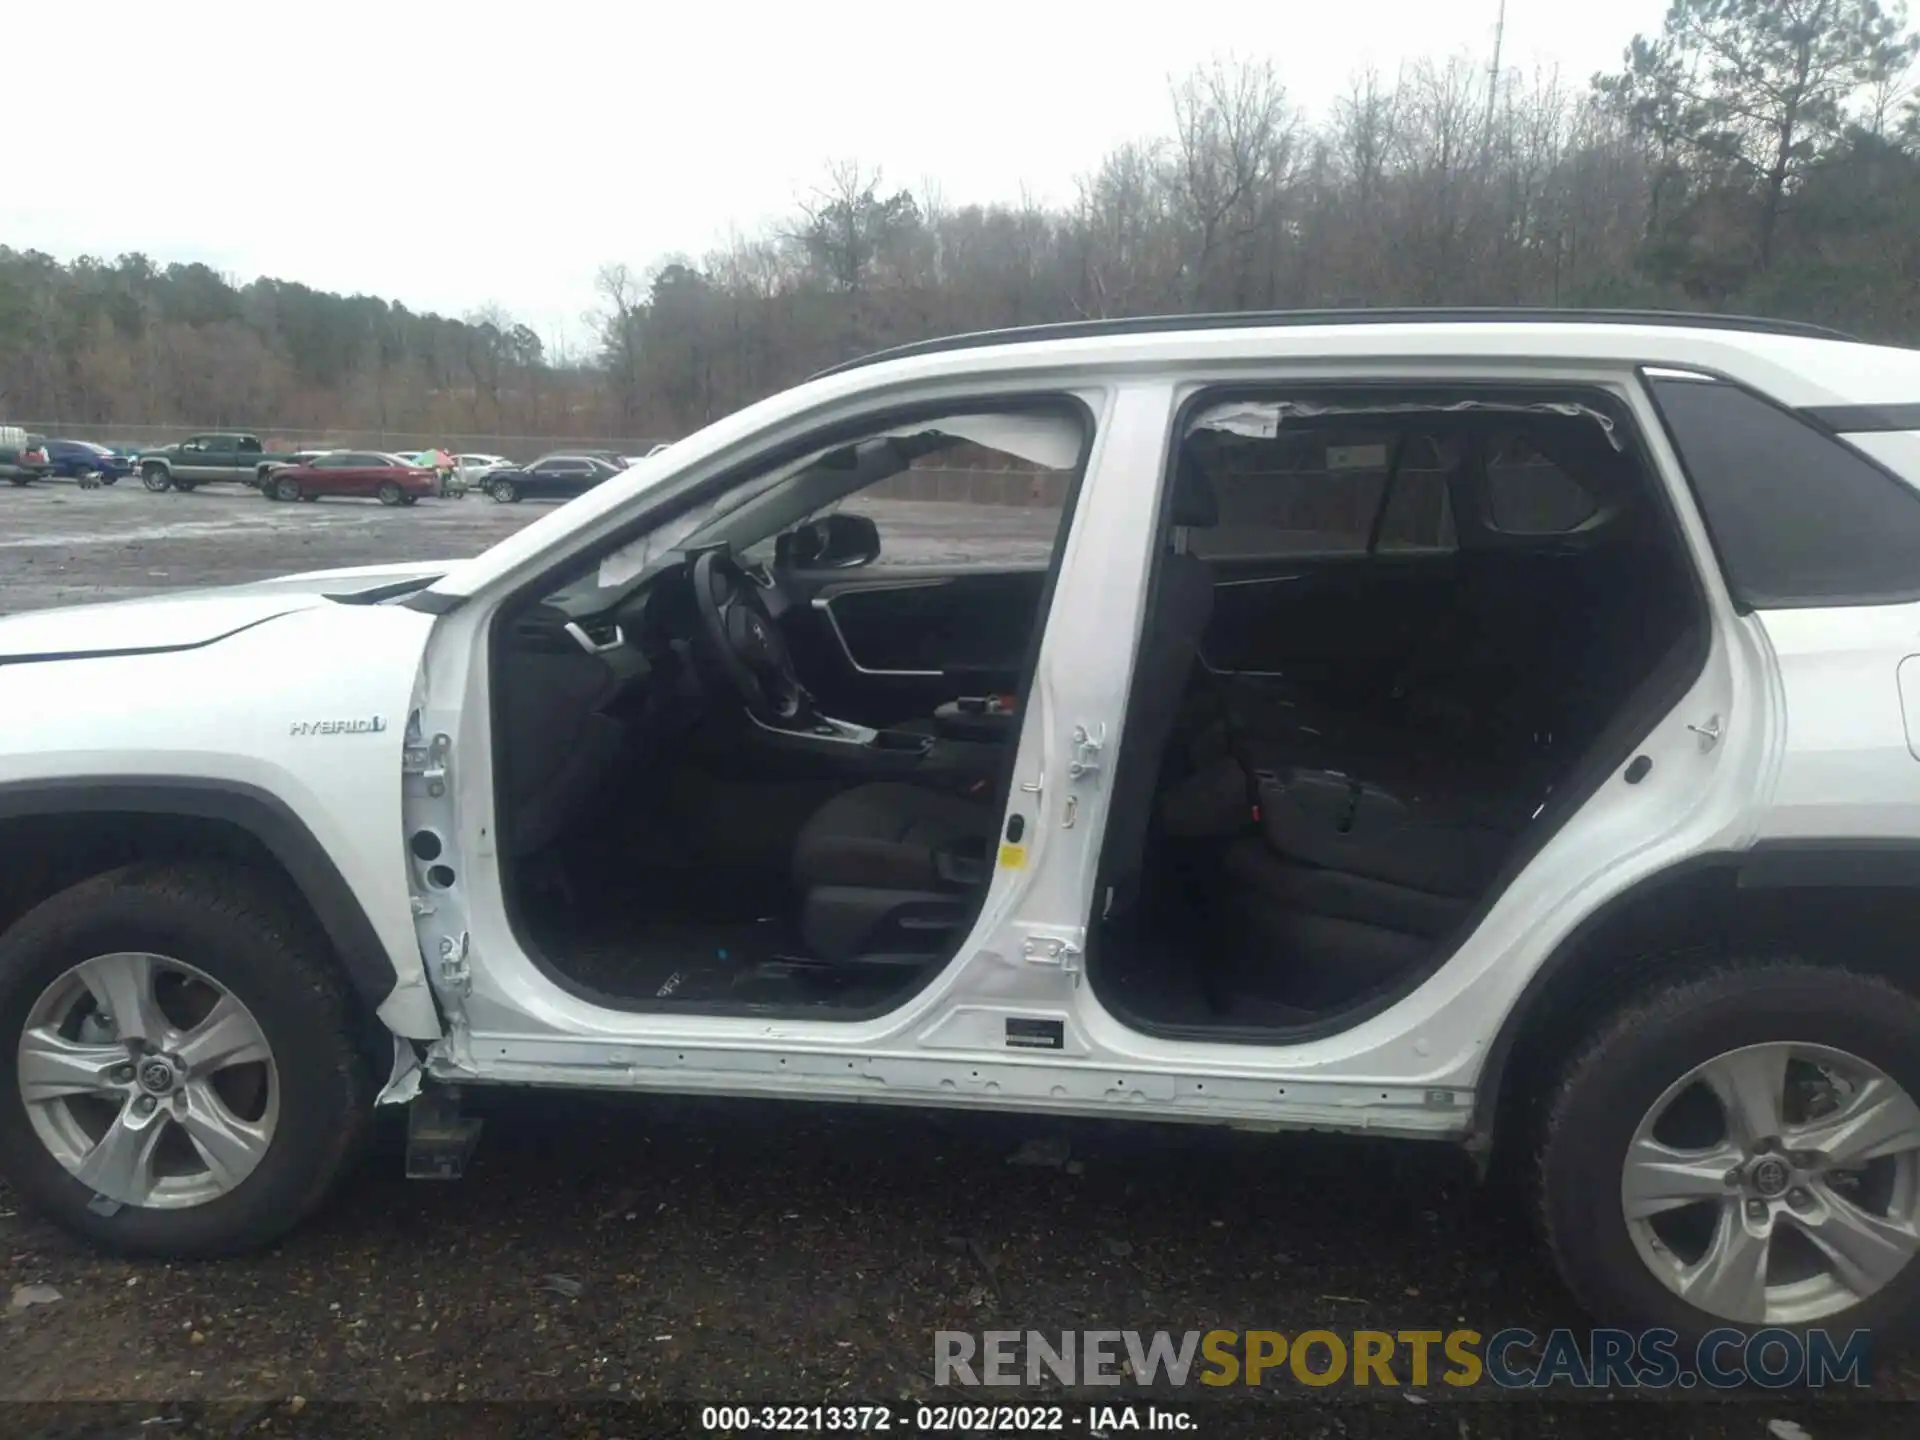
(742, 641)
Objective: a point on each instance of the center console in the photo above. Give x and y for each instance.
(977, 717)
(821, 745)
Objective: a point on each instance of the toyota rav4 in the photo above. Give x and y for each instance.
(1495, 728)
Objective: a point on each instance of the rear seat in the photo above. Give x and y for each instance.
(1342, 869)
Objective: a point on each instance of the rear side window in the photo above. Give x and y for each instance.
(1797, 518)
(1310, 493)
(1527, 494)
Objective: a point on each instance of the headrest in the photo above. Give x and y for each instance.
(1194, 503)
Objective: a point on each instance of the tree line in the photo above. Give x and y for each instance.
(1753, 155)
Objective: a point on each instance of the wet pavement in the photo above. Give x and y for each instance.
(60, 545)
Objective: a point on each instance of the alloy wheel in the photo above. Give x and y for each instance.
(1776, 1184)
(148, 1081)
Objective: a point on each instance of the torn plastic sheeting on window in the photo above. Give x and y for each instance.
(623, 564)
(1261, 420)
(1048, 440)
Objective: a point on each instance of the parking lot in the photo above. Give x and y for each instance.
(60, 545)
(732, 1250)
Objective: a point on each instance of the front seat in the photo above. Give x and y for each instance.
(888, 870)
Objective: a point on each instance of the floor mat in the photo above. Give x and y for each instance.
(753, 963)
(1160, 980)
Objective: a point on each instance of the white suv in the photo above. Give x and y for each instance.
(1496, 728)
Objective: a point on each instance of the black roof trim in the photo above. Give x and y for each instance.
(1281, 319)
(1863, 419)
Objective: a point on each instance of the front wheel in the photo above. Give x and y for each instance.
(504, 492)
(156, 478)
(388, 493)
(181, 1076)
(287, 488)
(1743, 1150)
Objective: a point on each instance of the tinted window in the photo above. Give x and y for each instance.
(1419, 513)
(247, 443)
(1796, 517)
(1320, 492)
(1527, 494)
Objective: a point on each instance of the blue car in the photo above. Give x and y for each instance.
(75, 459)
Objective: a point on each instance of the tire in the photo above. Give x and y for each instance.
(285, 487)
(233, 928)
(186, 487)
(109, 479)
(388, 493)
(504, 492)
(156, 478)
(1627, 1071)
(409, 499)
(22, 481)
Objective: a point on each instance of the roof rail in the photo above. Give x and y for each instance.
(1281, 319)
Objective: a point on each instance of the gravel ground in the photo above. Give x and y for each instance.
(731, 1251)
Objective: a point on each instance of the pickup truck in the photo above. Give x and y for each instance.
(200, 458)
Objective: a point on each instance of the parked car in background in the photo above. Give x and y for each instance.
(194, 461)
(651, 451)
(77, 459)
(473, 469)
(23, 457)
(551, 477)
(364, 474)
(613, 458)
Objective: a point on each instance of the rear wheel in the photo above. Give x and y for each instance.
(179, 1075)
(156, 478)
(285, 487)
(1743, 1150)
(388, 493)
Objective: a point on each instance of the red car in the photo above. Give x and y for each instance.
(386, 478)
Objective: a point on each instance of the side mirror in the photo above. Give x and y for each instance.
(840, 541)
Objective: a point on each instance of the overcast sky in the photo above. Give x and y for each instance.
(453, 155)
